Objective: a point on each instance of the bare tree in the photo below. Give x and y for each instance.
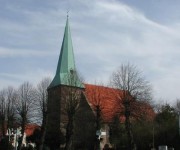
(133, 87)
(2, 111)
(95, 92)
(7, 109)
(10, 102)
(72, 100)
(42, 97)
(25, 106)
(177, 106)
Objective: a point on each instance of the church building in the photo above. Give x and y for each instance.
(77, 110)
(70, 117)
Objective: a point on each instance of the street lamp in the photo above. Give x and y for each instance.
(98, 134)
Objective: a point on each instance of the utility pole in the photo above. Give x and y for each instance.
(153, 137)
(179, 122)
(153, 145)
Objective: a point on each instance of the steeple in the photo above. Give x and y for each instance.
(66, 71)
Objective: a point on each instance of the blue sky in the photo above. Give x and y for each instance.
(105, 34)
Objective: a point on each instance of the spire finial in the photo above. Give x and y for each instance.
(67, 14)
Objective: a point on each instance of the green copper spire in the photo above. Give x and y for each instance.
(66, 71)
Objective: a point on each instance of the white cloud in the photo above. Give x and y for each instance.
(105, 34)
(9, 79)
(14, 52)
(123, 35)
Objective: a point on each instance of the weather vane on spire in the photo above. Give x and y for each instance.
(67, 13)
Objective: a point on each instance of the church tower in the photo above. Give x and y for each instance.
(66, 63)
(67, 101)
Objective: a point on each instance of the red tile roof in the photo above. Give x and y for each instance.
(111, 104)
(105, 97)
(30, 129)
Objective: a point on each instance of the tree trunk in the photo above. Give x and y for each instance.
(69, 134)
(22, 133)
(98, 111)
(43, 132)
(3, 127)
(131, 145)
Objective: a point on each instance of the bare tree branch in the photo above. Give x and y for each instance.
(24, 105)
(133, 87)
(7, 108)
